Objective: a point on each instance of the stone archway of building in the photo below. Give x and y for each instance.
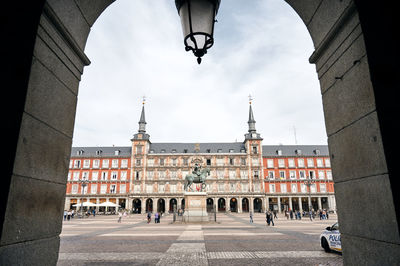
(257, 205)
(221, 205)
(245, 205)
(149, 205)
(136, 206)
(233, 205)
(173, 205)
(356, 57)
(161, 205)
(210, 205)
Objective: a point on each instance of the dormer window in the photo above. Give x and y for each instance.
(80, 152)
(298, 152)
(162, 151)
(279, 152)
(243, 150)
(317, 152)
(231, 150)
(117, 152)
(219, 150)
(174, 151)
(99, 152)
(151, 151)
(208, 151)
(185, 151)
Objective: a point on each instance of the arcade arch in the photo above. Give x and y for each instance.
(358, 98)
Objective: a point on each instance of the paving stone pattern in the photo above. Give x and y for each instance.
(233, 240)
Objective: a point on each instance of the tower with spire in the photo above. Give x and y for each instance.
(141, 134)
(253, 144)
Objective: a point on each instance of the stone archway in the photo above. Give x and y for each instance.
(356, 60)
(136, 206)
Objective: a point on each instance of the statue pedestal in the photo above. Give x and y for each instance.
(195, 207)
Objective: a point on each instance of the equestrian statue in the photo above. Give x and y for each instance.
(198, 176)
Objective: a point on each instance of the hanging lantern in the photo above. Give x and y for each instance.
(197, 19)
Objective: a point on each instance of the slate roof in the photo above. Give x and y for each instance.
(191, 147)
(290, 150)
(157, 148)
(105, 151)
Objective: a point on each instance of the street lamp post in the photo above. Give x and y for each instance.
(83, 185)
(308, 182)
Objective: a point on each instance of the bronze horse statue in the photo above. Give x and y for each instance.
(193, 178)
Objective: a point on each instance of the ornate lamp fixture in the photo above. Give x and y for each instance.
(197, 19)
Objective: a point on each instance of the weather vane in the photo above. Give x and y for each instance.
(250, 98)
(144, 100)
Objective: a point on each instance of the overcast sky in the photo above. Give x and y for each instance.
(136, 48)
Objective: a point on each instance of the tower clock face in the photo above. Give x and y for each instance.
(254, 135)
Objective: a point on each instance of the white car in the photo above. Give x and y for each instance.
(330, 238)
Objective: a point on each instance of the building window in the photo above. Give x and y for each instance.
(282, 175)
(243, 161)
(104, 176)
(219, 150)
(69, 175)
(272, 188)
(281, 163)
(149, 188)
(320, 163)
(271, 175)
(185, 151)
(174, 162)
(84, 190)
(86, 163)
(80, 152)
(76, 176)
(220, 174)
(292, 174)
(161, 188)
(257, 187)
(220, 187)
(302, 174)
(220, 161)
(310, 162)
(283, 188)
(294, 188)
(321, 174)
(139, 149)
(232, 187)
(255, 150)
(173, 150)
(162, 161)
(208, 151)
(255, 174)
(208, 161)
(245, 187)
(74, 189)
(232, 174)
(138, 162)
(93, 188)
(322, 188)
(113, 189)
(173, 174)
(327, 162)
(329, 175)
(136, 189)
(244, 174)
(122, 188)
(255, 162)
(300, 162)
(279, 152)
(114, 175)
(231, 161)
(270, 163)
(103, 189)
(298, 152)
(85, 176)
(123, 175)
(185, 162)
(317, 152)
(313, 188)
(161, 175)
(303, 188)
(243, 150)
(70, 164)
(98, 152)
(105, 163)
(77, 164)
(150, 162)
(137, 175)
(117, 152)
(96, 163)
(162, 151)
(95, 176)
(291, 163)
(114, 163)
(312, 174)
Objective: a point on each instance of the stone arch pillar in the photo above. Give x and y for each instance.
(355, 57)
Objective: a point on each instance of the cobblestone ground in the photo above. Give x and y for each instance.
(233, 240)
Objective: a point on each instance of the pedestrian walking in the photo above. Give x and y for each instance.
(271, 218)
(291, 214)
(119, 217)
(149, 217)
(156, 217)
(65, 215)
(72, 214)
(251, 217)
(267, 217)
(94, 212)
(311, 215)
(69, 215)
(275, 214)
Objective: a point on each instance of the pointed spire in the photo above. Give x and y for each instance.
(251, 122)
(142, 121)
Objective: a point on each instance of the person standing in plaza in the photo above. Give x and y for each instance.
(267, 217)
(311, 215)
(275, 214)
(65, 215)
(148, 217)
(156, 217)
(251, 217)
(271, 218)
(69, 215)
(119, 216)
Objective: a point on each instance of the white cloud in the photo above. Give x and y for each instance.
(138, 50)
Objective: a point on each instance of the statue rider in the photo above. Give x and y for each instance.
(196, 170)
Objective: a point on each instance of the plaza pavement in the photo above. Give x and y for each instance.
(233, 240)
